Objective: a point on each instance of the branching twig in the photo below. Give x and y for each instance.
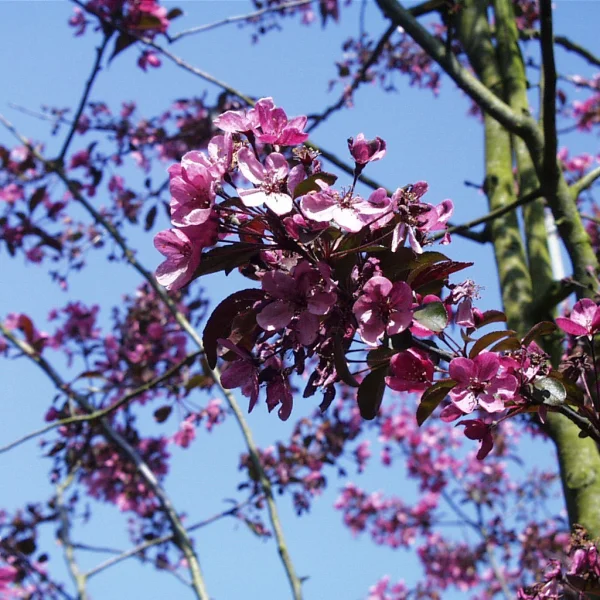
(585, 182)
(358, 79)
(236, 18)
(162, 540)
(180, 536)
(99, 414)
(493, 214)
(565, 42)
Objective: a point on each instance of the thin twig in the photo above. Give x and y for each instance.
(180, 536)
(86, 93)
(358, 79)
(565, 42)
(493, 214)
(99, 414)
(236, 18)
(585, 182)
(163, 539)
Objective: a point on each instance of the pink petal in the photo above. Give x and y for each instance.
(275, 315)
(486, 366)
(249, 166)
(462, 370)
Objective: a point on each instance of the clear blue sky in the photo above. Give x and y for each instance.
(428, 138)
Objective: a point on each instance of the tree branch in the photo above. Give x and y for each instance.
(180, 536)
(99, 414)
(565, 42)
(236, 18)
(86, 93)
(584, 183)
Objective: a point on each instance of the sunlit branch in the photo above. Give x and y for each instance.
(236, 18)
(295, 583)
(86, 93)
(64, 535)
(132, 552)
(585, 182)
(180, 536)
(565, 42)
(99, 414)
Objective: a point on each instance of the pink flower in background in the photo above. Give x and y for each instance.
(584, 319)
(410, 371)
(364, 151)
(269, 178)
(383, 307)
(8, 575)
(479, 383)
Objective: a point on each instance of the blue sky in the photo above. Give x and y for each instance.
(428, 138)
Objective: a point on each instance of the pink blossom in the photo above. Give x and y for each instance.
(478, 381)
(268, 124)
(584, 319)
(305, 295)
(350, 212)
(241, 372)
(186, 433)
(182, 249)
(383, 307)
(192, 191)
(364, 151)
(476, 429)
(8, 575)
(275, 128)
(410, 371)
(148, 58)
(269, 178)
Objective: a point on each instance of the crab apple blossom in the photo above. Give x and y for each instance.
(480, 384)
(364, 151)
(584, 319)
(182, 249)
(382, 308)
(269, 178)
(351, 213)
(410, 371)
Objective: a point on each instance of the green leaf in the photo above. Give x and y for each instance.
(370, 394)
(432, 315)
(341, 366)
(491, 316)
(310, 184)
(539, 330)
(550, 390)
(174, 13)
(432, 397)
(227, 258)
(511, 343)
(162, 414)
(123, 41)
(489, 338)
(220, 321)
(380, 356)
(150, 218)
